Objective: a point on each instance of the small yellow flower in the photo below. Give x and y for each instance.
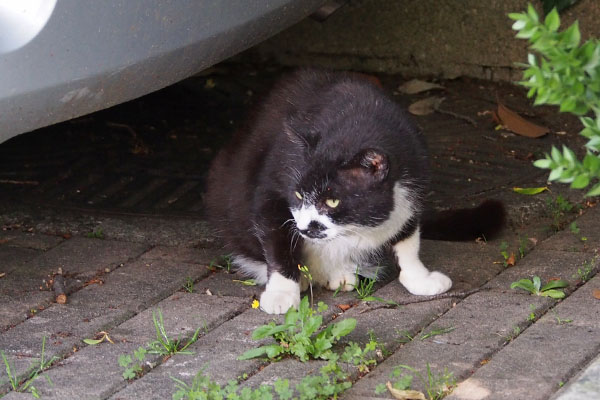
(255, 304)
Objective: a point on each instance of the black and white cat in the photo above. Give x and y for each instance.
(329, 173)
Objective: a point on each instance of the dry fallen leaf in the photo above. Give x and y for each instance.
(597, 294)
(517, 124)
(510, 261)
(2, 274)
(415, 86)
(344, 307)
(405, 394)
(425, 106)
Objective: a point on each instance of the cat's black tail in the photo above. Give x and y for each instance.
(484, 221)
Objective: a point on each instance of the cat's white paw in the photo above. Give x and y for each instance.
(342, 281)
(425, 285)
(280, 294)
(278, 302)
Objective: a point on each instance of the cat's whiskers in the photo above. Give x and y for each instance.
(287, 222)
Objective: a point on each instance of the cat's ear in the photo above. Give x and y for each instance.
(299, 130)
(369, 165)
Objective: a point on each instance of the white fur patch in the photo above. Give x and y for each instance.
(255, 269)
(280, 294)
(335, 261)
(415, 277)
(308, 213)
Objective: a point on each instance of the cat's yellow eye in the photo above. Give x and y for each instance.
(333, 203)
(298, 195)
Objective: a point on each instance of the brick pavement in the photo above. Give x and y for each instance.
(495, 351)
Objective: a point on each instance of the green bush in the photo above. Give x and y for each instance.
(562, 72)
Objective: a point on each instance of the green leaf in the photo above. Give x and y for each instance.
(140, 353)
(268, 330)
(343, 327)
(532, 13)
(273, 350)
(253, 353)
(291, 316)
(569, 155)
(322, 344)
(524, 284)
(571, 36)
(556, 173)
(322, 307)
(595, 191)
(552, 20)
(124, 360)
(537, 283)
(580, 182)
(530, 191)
(93, 342)
(519, 24)
(555, 294)
(129, 374)
(557, 284)
(556, 155)
(544, 163)
(304, 308)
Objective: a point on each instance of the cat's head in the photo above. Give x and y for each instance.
(333, 198)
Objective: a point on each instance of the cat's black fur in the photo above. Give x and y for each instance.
(332, 134)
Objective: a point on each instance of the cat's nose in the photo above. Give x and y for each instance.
(314, 231)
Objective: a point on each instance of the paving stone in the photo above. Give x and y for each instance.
(534, 364)
(137, 285)
(17, 396)
(566, 240)
(216, 352)
(468, 264)
(585, 386)
(16, 308)
(29, 240)
(183, 313)
(91, 373)
(389, 324)
(221, 283)
(189, 255)
(546, 264)
(474, 339)
(85, 257)
(12, 257)
(64, 327)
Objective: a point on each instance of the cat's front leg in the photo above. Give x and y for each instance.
(415, 277)
(283, 286)
(280, 294)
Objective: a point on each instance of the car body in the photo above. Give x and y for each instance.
(60, 59)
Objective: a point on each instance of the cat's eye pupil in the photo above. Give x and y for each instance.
(298, 195)
(333, 203)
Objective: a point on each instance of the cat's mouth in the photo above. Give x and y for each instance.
(318, 237)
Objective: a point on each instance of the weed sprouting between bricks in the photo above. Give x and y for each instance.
(295, 337)
(224, 262)
(406, 337)
(435, 386)
(328, 384)
(553, 289)
(36, 369)
(163, 345)
(298, 335)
